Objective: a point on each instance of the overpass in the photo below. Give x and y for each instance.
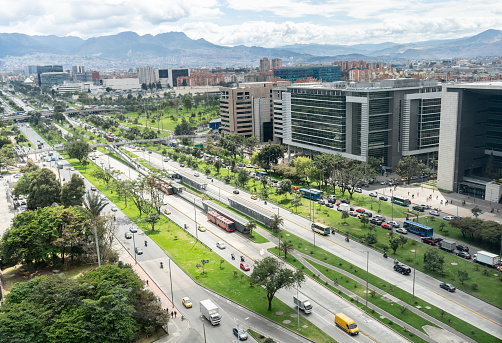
(47, 114)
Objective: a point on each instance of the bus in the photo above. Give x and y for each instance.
(321, 229)
(221, 221)
(400, 200)
(418, 229)
(312, 194)
(59, 165)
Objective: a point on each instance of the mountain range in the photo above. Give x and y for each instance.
(175, 48)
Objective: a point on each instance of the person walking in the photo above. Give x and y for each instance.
(175, 313)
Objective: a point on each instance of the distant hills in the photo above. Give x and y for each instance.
(175, 48)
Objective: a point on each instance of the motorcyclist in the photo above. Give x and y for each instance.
(161, 265)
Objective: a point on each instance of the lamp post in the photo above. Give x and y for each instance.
(171, 281)
(203, 328)
(196, 228)
(134, 247)
(392, 203)
(367, 267)
(415, 268)
(298, 307)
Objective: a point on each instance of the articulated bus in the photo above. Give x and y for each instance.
(400, 201)
(418, 229)
(321, 229)
(221, 221)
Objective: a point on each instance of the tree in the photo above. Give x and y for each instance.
(462, 276)
(264, 193)
(286, 247)
(273, 276)
(94, 204)
(184, 128)
(250, 226)
(29, 167)
(187, 101)
(365, 220)
(297, 201)
(275, 223)
(345, 215)
(284, 187)
(270, 155)
(242, 177)
(409, 166)
(433, 260)
(394, 243)
(73, 192)
(301, 164)
(78, 149)
(370, 238)
(152, 218)
(44, 189)
(476, 211)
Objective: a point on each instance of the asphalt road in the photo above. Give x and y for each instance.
(459, 304)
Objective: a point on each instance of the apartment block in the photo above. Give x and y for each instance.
(264, 65)
(146, 75)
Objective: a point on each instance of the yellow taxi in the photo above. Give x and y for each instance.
(254, 197)
(201, 228)
(166, 211)
(186, 302)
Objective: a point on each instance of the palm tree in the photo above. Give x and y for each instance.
(275, 223)
(286, 247)
(250, 227)
(93, 205)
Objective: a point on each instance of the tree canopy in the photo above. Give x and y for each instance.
(78, 149)
(73, 192)
(44, 189)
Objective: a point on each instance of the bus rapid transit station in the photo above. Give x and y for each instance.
(250, 209)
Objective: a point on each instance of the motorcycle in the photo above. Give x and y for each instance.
(265, 202)
(161, 265)
(346, 239)
(333, 231)
(146, 243)
(385, 255)
(233, 256)
(242, 258)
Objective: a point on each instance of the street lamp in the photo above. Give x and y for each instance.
(195, 212)
(392, 203)
(367, 266)
(203, 328)
(415, 268)
(298, 309)
(134, 247)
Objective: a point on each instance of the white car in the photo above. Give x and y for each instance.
(220, 245)
(393, 223)
(196, 174)
(401, 230)
(133, 229)
(358, 190)
(373, 195)
(434, 213)
(114, 208)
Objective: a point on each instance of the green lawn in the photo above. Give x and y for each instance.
(227, 280)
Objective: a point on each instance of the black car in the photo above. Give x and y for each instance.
(376, 221)
(128, 235)
(346, 201)
(403, 269)
(419, 208)
(447, 286)
(383, 198)
(462, 247)
(236, 191)
(464, 254)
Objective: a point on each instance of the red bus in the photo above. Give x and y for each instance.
(212, 215)
(225, 223)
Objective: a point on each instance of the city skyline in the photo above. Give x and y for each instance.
(268, 24)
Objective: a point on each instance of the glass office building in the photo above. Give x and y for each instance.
(325, 73)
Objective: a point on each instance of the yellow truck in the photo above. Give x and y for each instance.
(346, 324)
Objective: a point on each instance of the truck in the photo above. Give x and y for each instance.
(447, 245)
(346, 324)
(210, 311)
(344, 207)
(486, 258)
(303, 303)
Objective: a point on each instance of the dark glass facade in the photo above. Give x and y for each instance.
(324, 73)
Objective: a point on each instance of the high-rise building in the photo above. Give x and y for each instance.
(168, 77)
(386, 120)
(264, 65)
(248, 109)
(470, 144)
(320, 72)
(30, 70)
(47, 80)
(276, 63)
(146, 75)
(48, 69)
(77, 70)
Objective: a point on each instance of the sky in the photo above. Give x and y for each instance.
(266, 23)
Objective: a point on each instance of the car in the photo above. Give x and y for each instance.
(360, 210)
(196, 174)
(166, 211)
(20, 197)
(394, 223)
(376, 221)
(383, 198)
(164, 202)
(401, 230)
(220, 245)
(353, 213)
(128, 235)
(419, 208)
(138, 250)
(133, 229)
(329, 205)
(386, 226)
(93, 188)
(166, 159)
(434, 213)
(447, 286)
(428, 240)
(149, 152)
(186, 302)
(464, 254)
(72, 169)
(114, 209)
(182, 165)
(373, 195)
(345, 201)
(201, 228)
(358, 190)
(254, 197)
(249, 166)
(240, 333)
(462, 247)
(448, 218)
(403, 269)
(274, 180)
(244, 266)
(383, 183)
(367, 214)
(236, 191)
(209, 177)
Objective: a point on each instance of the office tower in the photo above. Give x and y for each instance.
(146, 75)
(386, 120)
(470, 143)
(276, 63)
(264, 65)
(77, 70)
(48, 69)
(30, 70)
(47, 80)
(168, 77)
(320, 72)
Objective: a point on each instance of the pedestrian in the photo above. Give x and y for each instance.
(413, 196)
(408, 193)
(336, 281)
(147, 282)
(418, 194)
(437, 197)
(175, 313)
(172, 314)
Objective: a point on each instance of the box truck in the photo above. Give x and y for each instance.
(344, 207)
(486, 258)
(448, 246)
(210, 311)
(303, 303)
